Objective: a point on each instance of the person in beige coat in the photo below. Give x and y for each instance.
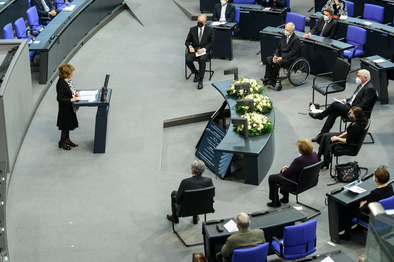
(245, 238)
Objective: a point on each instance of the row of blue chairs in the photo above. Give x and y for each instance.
(298, 241)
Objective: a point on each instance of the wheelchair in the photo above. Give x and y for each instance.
(297, 73)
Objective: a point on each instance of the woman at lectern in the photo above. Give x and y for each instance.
(308, 157)
(66, 96)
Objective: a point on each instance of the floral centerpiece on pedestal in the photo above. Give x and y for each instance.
(257, 124)
(262, 104)
(256, 87)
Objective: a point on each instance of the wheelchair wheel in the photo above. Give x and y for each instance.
(298, 72)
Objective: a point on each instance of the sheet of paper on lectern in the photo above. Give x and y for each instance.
(231, 226)
(69, 8)
(379, 61)
(218, 23)
(88, 95)
(327, 259)
(357, 189)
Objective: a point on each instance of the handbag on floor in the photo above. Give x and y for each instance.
(347, 172)
(199, 257)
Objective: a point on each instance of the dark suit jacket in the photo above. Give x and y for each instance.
(40, 8)
(290, 51)
(230, 12)
(365, 97)
(330, 30)
(207, 40)
(279, 3)
(243, 239)
(294, 170)
(194, 182)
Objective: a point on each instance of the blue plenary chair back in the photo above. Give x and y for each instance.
(288, 4)
(7, 32)
(29, 3)
(297, 19)
(373, 13)
(350, 8)
(254, 254)
(237, 14)
(387, 203)
(357, 37)
(298, 241)
(20, 30)
(34, 21)
(244, 2)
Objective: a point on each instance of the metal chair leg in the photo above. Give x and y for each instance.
(187, 245)
(317, 212)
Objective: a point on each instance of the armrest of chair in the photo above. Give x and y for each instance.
(355, 48)
(319, 75)
(291, 181)
(335, 82)
(279, 243)
(33, 30)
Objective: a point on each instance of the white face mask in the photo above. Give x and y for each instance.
(287, 33)
(358, 81)
(326, 18)
(223, 2)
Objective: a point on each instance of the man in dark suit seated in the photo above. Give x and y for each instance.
(363, 97)
(45, 8)
(245, 238)
(273, 3)
(326, 26)
(288, 50)
(195, 182)
(199, 42)
(224, 12)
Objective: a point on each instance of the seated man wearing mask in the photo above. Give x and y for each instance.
(288, 50)
(224, 12)
(199, 42)
(326, 26)
(363, 97)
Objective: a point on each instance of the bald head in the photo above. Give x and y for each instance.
(243, 221)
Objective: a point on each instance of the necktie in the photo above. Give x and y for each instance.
(287, 40)
(200, 35)
(323, 28)
(355, 94)
(45, 6)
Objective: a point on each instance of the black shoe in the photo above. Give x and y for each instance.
(271, 204)
(344, 236)
(64, 146)
(195, 219)
(196, 77)
(200, 86)
(316, 115)
(317, 138)
(325, 166)
(284, 200)
(265, 80)
(271, 83)
(169, 217)
(70, 143)
(357, 229)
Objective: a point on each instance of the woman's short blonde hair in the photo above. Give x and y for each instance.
(304, 146)
(65, 70)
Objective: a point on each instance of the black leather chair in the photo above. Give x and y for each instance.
(343, 149)
(209, 61)
(337, 83)
(308, 179)
(196, 202)
(345, 120)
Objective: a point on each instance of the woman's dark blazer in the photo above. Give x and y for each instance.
(66, 118)
(294, 170)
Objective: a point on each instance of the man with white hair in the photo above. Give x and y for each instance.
(288, 50)
(363, 97)
(245, 238)
(195, 182)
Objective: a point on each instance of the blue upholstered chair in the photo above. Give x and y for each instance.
(288, 4)
(298, 241)
(59, 4)
(387, 203)
(357, 37)
(251, 2)
(21, 32)
(7, 32)
(254, 254)
(35, 23)
(29, 3)
(350, 8)
(237, 17)
(373, 13)
(297, 19)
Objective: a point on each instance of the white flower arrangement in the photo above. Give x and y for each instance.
(262, 104)
(256, 87)
(257, 124)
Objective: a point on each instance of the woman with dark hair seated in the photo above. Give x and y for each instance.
(307, 158)
(353, 132)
